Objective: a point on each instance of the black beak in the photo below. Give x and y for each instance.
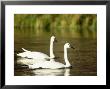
(56, 40)
(72, 47)
(70, 67)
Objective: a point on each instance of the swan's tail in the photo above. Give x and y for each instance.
(24, 50)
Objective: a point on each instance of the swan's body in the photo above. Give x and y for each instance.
(34, 55)
(53, 64)
(39, 55)
(47, 65)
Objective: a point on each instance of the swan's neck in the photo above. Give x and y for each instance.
(66, 58)
(51, 50)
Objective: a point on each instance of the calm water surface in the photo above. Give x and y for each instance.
(83, 58)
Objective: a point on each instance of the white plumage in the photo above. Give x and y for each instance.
(37, 56)
(53, 64)
(34, 55)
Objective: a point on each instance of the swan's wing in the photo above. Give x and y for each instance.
(52, 65)
(25, 50)
(57, 65)
(47, 65)
(23, 54)
(34, 55)
(39, 55)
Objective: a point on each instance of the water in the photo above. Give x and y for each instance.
(83, 58)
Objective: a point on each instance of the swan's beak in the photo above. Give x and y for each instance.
(70, 67)
(56, 40)
(72, 47)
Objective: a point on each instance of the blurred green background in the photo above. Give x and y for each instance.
(72, 25)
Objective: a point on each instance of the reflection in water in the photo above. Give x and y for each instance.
(51, 72)
(39, 72)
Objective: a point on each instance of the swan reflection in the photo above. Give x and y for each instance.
(51, 72)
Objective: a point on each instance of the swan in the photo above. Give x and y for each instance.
(39, 55)
(54, 64)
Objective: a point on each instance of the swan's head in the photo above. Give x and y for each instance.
(53, 38)
(67, 45)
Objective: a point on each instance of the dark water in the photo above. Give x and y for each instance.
(83, 58)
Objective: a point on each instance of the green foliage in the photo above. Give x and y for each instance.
(82, 24)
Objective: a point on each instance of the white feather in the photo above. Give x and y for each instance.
(53, 64)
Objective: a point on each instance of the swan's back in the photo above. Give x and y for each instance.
(53, 65)
(47, 64)
(34, 55)
(38, 55)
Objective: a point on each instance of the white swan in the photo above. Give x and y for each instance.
(39, 55)
(53, 64)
